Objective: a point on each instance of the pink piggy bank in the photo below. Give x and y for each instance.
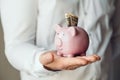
(71, 41)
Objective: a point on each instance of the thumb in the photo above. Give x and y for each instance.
(46, 58)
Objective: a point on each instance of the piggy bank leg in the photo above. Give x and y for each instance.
(59, 54)
(83, 54)
(68, 55)
(80, 54)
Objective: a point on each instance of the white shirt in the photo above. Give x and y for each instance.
(29, 31)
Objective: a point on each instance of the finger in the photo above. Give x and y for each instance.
(74, 60)
(71, 67)
(73, 63)
(84, 60)
(98, 57)
(78, 62)
(92, 58)
(46, 58)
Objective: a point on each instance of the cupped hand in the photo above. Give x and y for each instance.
(52, 61)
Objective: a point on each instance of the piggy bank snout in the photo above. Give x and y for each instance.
(58, 42)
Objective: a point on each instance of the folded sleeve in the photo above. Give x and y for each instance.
(19, 19)
(95, 19)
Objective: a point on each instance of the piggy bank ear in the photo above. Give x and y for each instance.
(72, 31)
(58, 28)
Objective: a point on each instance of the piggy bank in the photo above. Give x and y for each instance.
(71, 41)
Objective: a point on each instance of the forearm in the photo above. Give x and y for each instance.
(19, 26)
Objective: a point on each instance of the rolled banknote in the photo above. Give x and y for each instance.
(71, 19)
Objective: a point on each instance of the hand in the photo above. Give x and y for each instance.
(52, 61)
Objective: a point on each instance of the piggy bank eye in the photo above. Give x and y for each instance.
(57, 33)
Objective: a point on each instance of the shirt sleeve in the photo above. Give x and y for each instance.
(116, 32)
(95, 19)
(19, 19)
